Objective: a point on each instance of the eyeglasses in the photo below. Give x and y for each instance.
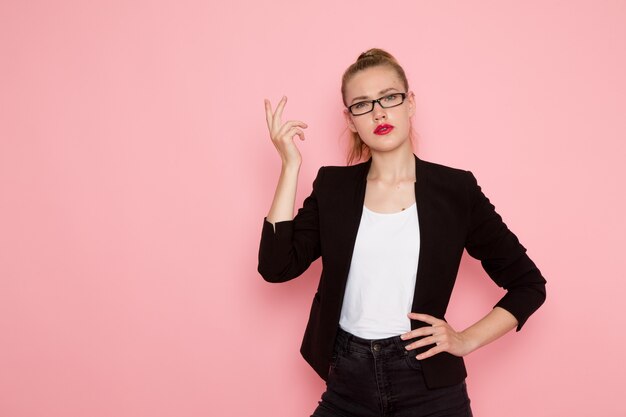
(391, 100)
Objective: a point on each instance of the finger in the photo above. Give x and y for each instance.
(429, 353)
(422, 331)
(293, 132)
(300, 133)
(296, 123)
(426, 318)
(284, 129)
(268, 114)
(422, 342)
(272, 114)
(279, 112)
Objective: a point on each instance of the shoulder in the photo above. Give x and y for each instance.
(344, 169)
(447, 177)
(338, 173)
(444, 170)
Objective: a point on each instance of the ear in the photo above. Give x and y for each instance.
(348, 117)
(411, 100)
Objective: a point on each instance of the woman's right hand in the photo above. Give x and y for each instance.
(283, 135)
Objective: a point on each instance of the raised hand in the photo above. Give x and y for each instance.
(283, 134)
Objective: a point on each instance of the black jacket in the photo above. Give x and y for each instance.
(453, 214)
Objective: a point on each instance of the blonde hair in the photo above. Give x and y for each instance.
(374, 57)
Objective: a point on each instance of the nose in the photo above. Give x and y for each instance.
(378, 111)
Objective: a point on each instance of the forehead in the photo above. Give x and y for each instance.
(369, 82)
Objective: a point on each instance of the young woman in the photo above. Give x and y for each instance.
(391, 232)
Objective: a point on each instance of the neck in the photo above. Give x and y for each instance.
(393, 166)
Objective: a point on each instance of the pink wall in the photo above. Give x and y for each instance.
(136, 168)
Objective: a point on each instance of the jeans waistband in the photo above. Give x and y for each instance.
(351, 342)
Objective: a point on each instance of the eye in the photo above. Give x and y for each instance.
(359, 105)
(390, 97)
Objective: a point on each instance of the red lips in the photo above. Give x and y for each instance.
(383, 129)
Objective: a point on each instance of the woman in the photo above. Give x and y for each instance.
(391, 232)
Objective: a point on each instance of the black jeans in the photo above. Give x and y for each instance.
(381, 378)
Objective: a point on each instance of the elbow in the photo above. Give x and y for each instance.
(524, 300)
(267, 274)
(541, 298)
(535, 295)
(538, 287)
(542, 292)
(271, 275)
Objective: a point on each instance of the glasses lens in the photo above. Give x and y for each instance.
(392, 100)
(360, 108)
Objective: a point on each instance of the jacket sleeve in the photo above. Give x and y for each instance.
(288, 251)
(503, 257)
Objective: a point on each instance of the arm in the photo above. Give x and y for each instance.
(494, 325)
(504, 259)
(491, 327)
(285, 195)
(288, 247)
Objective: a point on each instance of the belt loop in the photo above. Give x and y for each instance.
(398, 342)
(345, 339)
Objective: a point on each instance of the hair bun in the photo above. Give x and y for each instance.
(364, 54)
(377, 53)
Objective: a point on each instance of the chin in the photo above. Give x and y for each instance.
(386, 145)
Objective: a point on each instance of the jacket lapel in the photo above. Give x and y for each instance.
(425, 213)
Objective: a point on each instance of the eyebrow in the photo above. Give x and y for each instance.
(381, 92)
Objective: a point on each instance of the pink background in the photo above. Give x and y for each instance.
(136, 168)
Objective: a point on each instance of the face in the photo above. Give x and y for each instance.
(370, 84)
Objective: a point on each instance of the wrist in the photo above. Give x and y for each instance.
(291, 166)
(470, 341)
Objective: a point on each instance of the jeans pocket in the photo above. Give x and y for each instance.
(412, 361)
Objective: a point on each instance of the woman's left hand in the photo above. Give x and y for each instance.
(440, 333)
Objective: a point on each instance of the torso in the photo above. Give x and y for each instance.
(389, 198)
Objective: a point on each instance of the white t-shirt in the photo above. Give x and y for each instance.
(381, 281)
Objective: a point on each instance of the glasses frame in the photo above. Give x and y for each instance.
(378, 100)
